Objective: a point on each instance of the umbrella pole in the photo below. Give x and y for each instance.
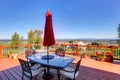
(48, 54)
(48, 59)
(49, 75)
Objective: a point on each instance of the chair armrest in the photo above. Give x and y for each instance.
(68, 70)
(35, 68)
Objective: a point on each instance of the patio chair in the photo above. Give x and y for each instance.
(96, 56)
(60, 52)
(71, 73)
(109, 57)
(29, 53)
(28, 71)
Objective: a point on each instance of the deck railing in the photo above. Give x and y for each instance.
(72, 49)
(90, 49)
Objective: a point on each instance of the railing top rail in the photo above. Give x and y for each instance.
(100, 46)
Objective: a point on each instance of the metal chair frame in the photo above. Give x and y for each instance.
(73, 71)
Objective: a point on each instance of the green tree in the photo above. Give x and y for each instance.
(21, 40)
(35, 37)
(31, 37)
(95, 43)
(15, 39)
(70, 42)
(118, 41)
(38, 36)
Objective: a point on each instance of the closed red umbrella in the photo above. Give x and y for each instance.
(48, 33)
(49, 39)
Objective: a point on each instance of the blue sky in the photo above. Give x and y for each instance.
(71, 18)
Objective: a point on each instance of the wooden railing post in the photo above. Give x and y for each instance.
(28, 46)
(112, 50)
(1, 47)
(77, 50)
(56, 46)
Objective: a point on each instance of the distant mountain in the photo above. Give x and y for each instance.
(4, 39)
(82, 39)
(90, 39)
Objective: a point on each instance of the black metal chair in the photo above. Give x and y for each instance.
(28, 71)
(30, 53)
(71, 73)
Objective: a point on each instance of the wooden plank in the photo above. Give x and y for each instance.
(2, 76)
(12, 70)
(14, 74)
(18, 71)
(100, 74)
(8, 75)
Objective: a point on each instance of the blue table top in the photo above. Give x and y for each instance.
(57, 61)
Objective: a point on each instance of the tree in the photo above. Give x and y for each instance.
(95, 43)
(15, 39)
(31, 37)
(70, 41)
(118, 41)
(38, 36)
(21, 39)
(35, 36)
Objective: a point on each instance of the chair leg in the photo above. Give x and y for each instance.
(68, 79)
(74, 78)
(58, 73)
(45, 70)
(30, 78)
(22, 76)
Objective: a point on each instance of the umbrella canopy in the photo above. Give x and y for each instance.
(49, 39)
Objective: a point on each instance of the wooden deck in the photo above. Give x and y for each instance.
(89, 70)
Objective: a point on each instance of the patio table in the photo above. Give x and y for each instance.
(57, 62)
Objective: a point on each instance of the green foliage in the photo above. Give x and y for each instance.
(118, 41)
(21, 40)
(38, 36)
(117, 52)
(14, 51)
(95, 43)
(106, 50)
(16, 39)
(31, 37)
(70, 41)
(35, 36)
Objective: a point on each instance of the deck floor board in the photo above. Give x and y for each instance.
(89, 70)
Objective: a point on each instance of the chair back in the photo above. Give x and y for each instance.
(28, 53)
(33, 51)
(25, 66)
(97, 54)
(60, 52)
(78, 65)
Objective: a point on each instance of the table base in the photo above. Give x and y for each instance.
(48, 76)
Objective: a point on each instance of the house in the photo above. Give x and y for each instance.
(83, 45)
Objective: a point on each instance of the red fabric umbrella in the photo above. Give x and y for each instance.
(48, 41)
(48, 33)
